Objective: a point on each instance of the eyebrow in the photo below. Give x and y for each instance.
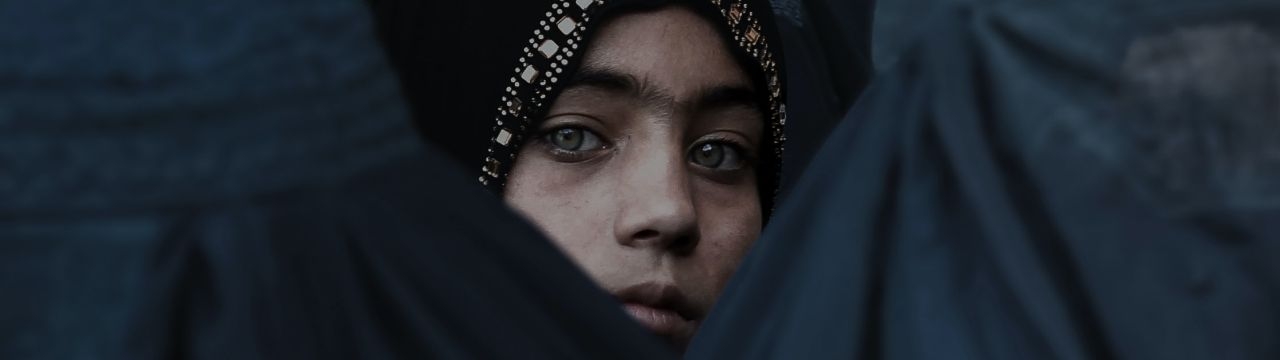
(611, 80)
(615, 81)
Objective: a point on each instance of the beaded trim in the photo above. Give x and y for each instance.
(556, 42)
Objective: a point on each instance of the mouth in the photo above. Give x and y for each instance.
(661, 308)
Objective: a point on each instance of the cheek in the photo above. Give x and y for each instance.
(561, 202)
(730, 220)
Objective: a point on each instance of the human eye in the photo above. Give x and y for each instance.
(570, 143)
(718, 155)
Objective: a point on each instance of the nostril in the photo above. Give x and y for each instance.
(646, 234)
(683, 245)
(676, 243)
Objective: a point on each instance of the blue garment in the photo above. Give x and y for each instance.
(1047, 180)
(239, 179)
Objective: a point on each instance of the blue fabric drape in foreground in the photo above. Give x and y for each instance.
(239, 179)
(1036, 180)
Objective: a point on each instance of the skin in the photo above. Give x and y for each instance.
(643, 170)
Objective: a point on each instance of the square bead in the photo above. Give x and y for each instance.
(566, 25)
(548, 48)
(529, 74)
(504, 137)
(584, 4)
(753, 35)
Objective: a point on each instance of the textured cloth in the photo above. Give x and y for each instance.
(1060, 180)
(240, 180)
(828, 65)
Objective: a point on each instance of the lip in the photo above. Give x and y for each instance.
(660, 321)
(661, 308)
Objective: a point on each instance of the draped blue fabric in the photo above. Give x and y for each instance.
(240, 180)
(1036, 180)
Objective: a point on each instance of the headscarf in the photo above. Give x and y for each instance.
(1036, 180)
(239, 180)
(479, 76)
(827, 43)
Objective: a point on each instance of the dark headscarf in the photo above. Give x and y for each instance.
(827, 43)
(1036, 180)
(239, 179)
(479, 76)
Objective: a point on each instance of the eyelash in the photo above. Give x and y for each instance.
(748, 158)
(570, 156)
(543, 138)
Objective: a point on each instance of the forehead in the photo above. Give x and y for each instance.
(671, 48)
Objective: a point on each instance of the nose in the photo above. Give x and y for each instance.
(657, 209)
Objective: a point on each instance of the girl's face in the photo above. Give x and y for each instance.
(644, 169)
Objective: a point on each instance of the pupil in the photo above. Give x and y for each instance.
(569, 139)
(709, 155)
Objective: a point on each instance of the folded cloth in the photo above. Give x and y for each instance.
(240, 180)
(1036, 180)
